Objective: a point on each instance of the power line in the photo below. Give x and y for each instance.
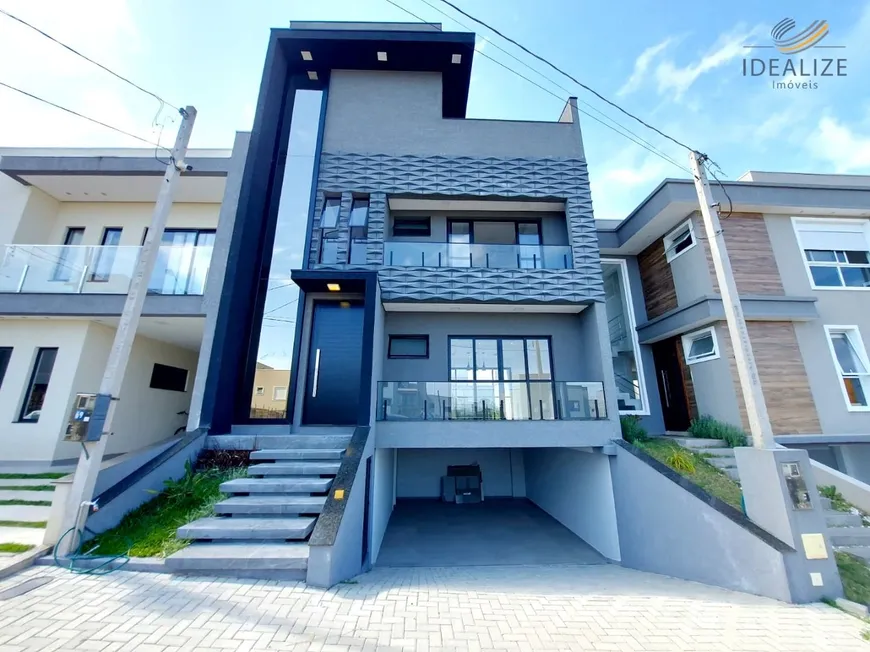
(637, 140)
(63, 108)
(558, 85)
(569, 76)
(283, 305)
(86, 58)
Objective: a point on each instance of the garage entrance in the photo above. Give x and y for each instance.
(496, 532)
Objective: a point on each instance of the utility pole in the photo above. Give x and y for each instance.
(753, 397)
(100, 426)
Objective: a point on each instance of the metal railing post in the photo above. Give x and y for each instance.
(443, 410)
(384, 411)
(425, 410)
(597, 413)
(541, 407)
(82, 280)
(501, 408)
(487, 260)
(23, 277)
(558, 409)
(439, 259)
(483, 403)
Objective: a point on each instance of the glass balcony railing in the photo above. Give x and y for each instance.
(73, 269)
(534, 400)
(444, 254)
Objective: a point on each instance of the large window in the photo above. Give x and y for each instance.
(850, 360)
(836, 252)
(507, 378)
(624, 347)
(182, 261)
(412, 227)
(359, 231)
(66, 261)
(105, 258)
(38, 385)
(679, 240)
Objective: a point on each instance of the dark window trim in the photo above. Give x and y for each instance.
(391, 356)
(5, 357)
(414, 219)
(549, 339)
(326, 203)
(471, 221)
(36, 360)
(69, 231)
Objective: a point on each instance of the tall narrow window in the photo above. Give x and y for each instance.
(329, 215)
(34, 399)
(359, 217)
(70, 255)
(5, 355)
(851, 362)
(105, 258)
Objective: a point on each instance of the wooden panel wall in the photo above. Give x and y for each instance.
(783, 378)
(657, 280)
(751, 253)
(688, 382)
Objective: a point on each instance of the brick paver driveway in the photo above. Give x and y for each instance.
(474, 608)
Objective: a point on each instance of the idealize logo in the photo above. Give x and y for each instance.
(796, 73)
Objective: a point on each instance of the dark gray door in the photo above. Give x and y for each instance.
(332, 388)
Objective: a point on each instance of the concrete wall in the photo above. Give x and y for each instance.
(715, 389)
(419, 471)
(383, 496)
(839, 307)
(692, 278)
(400, 113)
(665, 529)
(856, 461)
(576, 489)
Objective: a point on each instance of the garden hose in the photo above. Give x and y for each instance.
(103, 568)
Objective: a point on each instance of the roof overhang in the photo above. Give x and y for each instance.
(675, 199)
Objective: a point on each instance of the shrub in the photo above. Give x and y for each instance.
(681, 461)
(632, 431)
(706, 427)
(838, 502)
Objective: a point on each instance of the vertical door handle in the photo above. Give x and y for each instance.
(664, 385)
(316, 373)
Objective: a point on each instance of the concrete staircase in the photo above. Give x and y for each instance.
(261, 529)
(847, 531)
(715, 451)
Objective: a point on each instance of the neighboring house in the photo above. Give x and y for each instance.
(269, 398)
(800, 250)
(72, 229)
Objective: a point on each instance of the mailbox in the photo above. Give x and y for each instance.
(80, 417)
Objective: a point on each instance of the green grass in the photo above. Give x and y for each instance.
(37, 524)
(838, 502)
(15, 547)
(27, 487)
(32, 476)
(706, 427)
(708, 477)
(855, 576)
(149, 530)
(40, 503)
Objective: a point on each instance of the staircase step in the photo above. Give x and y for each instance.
(722, 462)
(243, 558)
(294, 468)
(724, 453)
(255, 528)
(298, 454)
(843, 519)
(271, 504)
(324, 430)
(696, 442)
(303, 441)
(826, 503)
(276, 485)
(849, 536)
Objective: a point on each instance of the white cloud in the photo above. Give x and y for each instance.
(480, 43)
(641, 65)
(621, 181)
(840, 146)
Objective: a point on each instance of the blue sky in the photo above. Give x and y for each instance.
(677, 67)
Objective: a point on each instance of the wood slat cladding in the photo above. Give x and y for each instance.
(783, 378)
(751, 253)
(688, 382)
(656, 280)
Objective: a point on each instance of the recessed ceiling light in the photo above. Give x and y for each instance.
(382, 56)
(333, 287)
(312, 75)
(306, 56)
(456, 58)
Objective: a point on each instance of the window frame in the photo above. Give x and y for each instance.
(419, 220)
(393, 356)
(5, 359)
(689, 338)
(28, 390)
(797, 222)
(857, 343)
(259, 390)
(328, 200)
(275, 396)
(104, 257)
(669, 240)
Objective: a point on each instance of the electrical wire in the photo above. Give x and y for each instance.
(75, 113)
(86, 58)
(283, 305)
(636, 139)
(568, 75)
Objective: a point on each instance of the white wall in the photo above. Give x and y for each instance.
(576, 489)
(383, 497)
(144, 415)
(419, 470)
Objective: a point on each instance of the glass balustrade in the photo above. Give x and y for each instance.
(443, 254)
(75, 269)
(536, 400)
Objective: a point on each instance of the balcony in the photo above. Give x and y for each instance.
(487, 256)
(73, 269)
(535, 400)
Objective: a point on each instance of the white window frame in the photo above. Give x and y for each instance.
(275, 393)
(689, 338)
(854, 335)
(259, 391)
(668, 242)
(632, 328)
(796, 223)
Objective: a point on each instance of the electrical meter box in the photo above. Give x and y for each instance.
(80, 417)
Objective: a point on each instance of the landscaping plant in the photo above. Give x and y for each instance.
(681, 462)
(706, 427)
(632, 431)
